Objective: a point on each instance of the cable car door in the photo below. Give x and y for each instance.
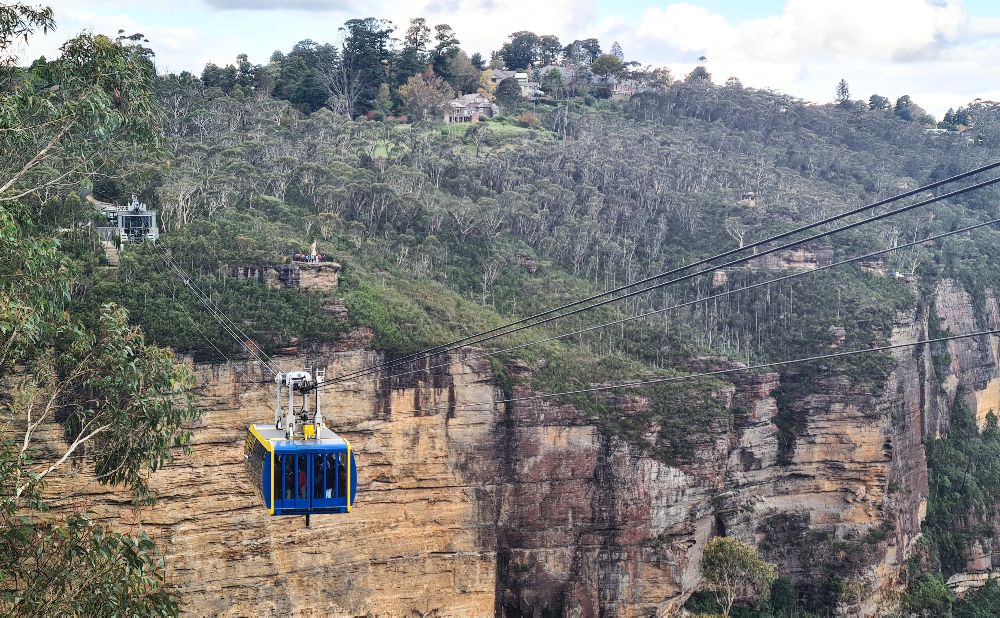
(329, 490)
(295, 478)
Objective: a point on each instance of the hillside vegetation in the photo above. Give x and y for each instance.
(446, 230)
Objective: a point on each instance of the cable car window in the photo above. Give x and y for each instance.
(256, 457)
(318, 476)
(342, 470)
(287, 476)
(302, 477)
(329, 489)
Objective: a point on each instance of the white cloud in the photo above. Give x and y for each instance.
(483, 25)
(687, 28)
(278, 5)
(887, 30)
(931, 50)
(175, 46)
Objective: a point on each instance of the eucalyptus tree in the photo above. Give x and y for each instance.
(68, 119)
(64, 123)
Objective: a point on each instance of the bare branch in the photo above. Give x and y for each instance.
(39, 156)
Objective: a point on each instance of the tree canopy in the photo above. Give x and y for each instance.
(84, 116)
(734, 570)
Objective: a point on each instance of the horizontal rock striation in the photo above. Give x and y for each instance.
(470, 508)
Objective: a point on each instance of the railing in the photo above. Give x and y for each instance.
(108, 233)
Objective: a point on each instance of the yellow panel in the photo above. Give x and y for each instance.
(270, 447)
(348, 463)
(267, 443)
(308, 431)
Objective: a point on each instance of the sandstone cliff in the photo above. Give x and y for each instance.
(479, 510)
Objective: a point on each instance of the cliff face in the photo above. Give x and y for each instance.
(972, 363)
(413, 546)
(462, 510)
(477, 510)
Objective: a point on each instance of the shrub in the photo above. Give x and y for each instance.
(529, 120)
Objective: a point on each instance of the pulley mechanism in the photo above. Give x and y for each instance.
(300, 422)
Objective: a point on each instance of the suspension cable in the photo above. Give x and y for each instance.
(701, 262)
(706, 374)
(647, 314)
(229, 361)
(486, 336)
(191, 283)
(223, 320)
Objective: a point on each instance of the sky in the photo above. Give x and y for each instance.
(943, 53)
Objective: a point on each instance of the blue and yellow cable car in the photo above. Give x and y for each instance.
(301, 477)
(297, 465)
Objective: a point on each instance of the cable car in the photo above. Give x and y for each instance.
(297, 465)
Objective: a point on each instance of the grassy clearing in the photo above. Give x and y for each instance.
(458, 129)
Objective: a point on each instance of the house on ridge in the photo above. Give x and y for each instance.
(470, 108)
(529, 88)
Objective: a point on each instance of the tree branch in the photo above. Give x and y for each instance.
(81, 439)
(39, 156)
(41, 186)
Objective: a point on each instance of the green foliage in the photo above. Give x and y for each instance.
(508, 92)
(582, 51)
(979, 603)
(607, 67)
(426, 96)
(733, 569)
(780, 603)
(19, 21)
(366, 54)
(703, 602)
(552, 82)
(76, 567)
(878, 103)
(127, 397)
(112, 391)
(383, 103)
(445, 232)
(520, 51)
(87, 115)
(311, 92)
(399, 325)
(940, 355)
(700, 73)
(964, 471)
(81, 111)
(413, 58)
(843, 93)
(122, 400)
(685, 413)
(428, 218)
(33, 292)
(828, 567)
(929, 596)
(171, 314)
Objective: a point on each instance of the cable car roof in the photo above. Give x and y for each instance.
(276, 441)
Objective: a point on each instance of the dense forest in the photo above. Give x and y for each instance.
(443, 230)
